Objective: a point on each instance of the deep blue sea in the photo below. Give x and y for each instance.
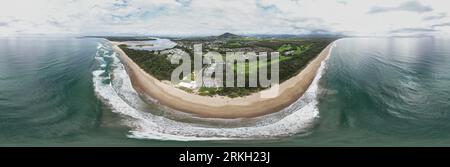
(64, 91)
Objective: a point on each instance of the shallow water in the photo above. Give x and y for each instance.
(157, 44)
(73, 91)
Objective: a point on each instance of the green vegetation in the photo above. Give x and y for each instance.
(186, 89)
(207, 91)
(232, 45)
(295, 54)
(237, 91)
(285, 47)
(157, 65)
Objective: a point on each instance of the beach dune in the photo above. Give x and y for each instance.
(218, 106)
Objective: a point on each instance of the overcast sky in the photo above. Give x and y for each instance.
(212, 17)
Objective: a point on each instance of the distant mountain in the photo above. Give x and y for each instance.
(228, 35)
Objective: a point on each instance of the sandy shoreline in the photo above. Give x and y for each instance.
(221, 107)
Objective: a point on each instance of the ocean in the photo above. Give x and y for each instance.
(64, 91)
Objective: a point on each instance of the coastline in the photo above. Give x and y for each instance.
(218, 106)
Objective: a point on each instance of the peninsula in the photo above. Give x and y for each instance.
(300, 60)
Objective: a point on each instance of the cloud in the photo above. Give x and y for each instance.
(441, 25)
(409, 6)
(413, 30)
(436, 17)
(343, 2)
(184, 2)
(213, 17)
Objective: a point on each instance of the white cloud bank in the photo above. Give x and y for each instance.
(212, 17)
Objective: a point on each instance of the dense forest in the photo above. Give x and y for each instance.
(158, 65)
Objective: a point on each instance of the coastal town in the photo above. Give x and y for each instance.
(294, 54)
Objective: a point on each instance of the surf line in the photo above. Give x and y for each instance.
(191, 157)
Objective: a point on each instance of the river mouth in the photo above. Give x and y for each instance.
(153, 121)
(151, 45)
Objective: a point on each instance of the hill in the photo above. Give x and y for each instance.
(228, 35)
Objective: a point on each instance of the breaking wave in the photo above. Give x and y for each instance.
(151, 121)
